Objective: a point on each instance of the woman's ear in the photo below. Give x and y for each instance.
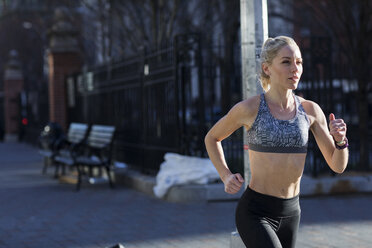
(265, 69)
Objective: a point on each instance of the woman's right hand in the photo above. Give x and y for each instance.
(233, 183)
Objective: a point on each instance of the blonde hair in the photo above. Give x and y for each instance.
(270, 50)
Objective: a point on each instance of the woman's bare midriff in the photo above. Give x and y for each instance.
(276, 174)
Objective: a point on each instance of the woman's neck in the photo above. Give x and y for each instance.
(283, 99)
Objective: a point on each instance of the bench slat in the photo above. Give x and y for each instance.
(100, 136)
(77, 132)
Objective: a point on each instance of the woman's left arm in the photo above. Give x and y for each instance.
(325, 138)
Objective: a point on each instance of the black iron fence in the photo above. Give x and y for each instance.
(328, 81)
(166, 101)
(155, 101)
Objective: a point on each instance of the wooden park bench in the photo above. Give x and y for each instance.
(53, 145)
(76, 135)
(95, 152)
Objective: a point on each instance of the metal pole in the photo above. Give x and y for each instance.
(254, 31)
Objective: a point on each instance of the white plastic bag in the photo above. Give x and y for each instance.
(179, 169)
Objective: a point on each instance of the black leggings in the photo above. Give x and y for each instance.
(267, 221)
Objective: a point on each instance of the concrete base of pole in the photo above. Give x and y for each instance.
(236, 241)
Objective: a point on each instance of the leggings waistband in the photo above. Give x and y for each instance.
(271, 205)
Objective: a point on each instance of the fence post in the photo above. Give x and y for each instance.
(181, 54)
(177, 89)
(201, 98)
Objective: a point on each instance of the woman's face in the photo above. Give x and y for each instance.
(286, 68)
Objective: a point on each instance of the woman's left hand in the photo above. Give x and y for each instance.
(337, 128)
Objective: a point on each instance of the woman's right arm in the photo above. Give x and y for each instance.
(234, 119)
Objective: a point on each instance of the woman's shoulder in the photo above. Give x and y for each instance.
(311, 108)
(246, 110)
(248, 105)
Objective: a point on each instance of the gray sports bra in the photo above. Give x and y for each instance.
(269, 134)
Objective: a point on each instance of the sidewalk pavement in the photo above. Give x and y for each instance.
(38, 211)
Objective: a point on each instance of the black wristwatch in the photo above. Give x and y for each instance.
(342, 145)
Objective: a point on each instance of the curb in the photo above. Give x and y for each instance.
(338, 184)
(179, 193)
